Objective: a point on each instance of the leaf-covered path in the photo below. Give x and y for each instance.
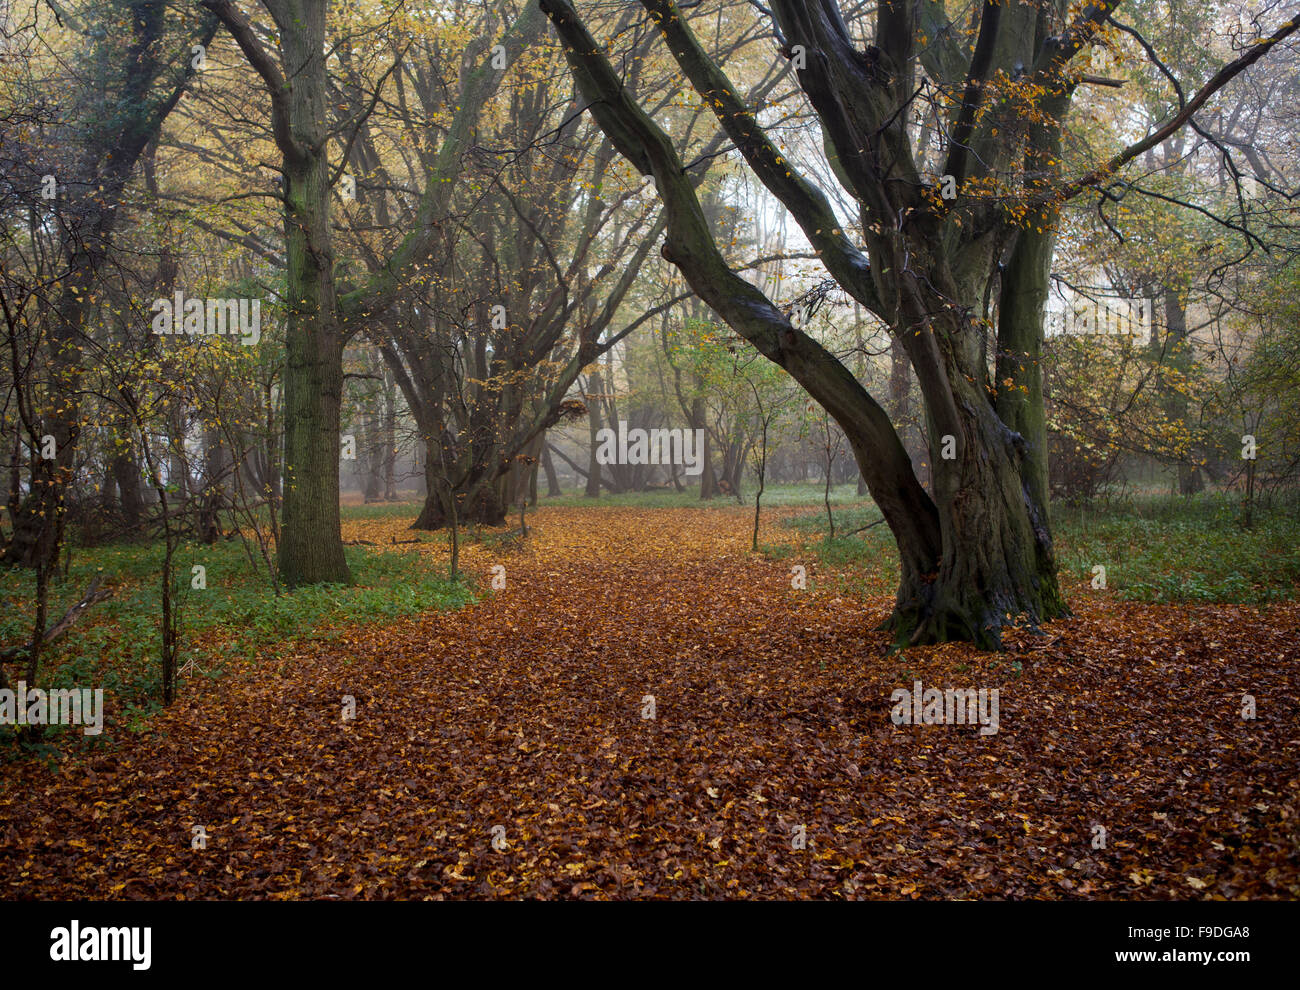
(771, 715)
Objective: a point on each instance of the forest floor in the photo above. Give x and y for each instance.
(505, 749)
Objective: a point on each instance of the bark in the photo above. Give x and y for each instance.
(996, 564)
(1019, 386)
(310, 548)
(213, 498)
(708, 479)
(125, 470)
(595, 402)
(482, 506)
(371, 461)
(977, 555)
(390, 439)
(552, 477)
(481, 502)
(735, 471)
(1180, 358)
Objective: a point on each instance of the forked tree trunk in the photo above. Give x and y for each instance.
(976, 554)
(483, 507)
(481, 503)
(996, 563)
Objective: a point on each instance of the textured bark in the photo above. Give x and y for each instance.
(977, 554)
(311, 547)
(1019, 378)
(595, 402)
(996, 564)
(483, 506)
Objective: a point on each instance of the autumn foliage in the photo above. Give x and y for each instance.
(771, 710)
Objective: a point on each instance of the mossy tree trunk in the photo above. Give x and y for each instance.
(310, 549)
(978, 554)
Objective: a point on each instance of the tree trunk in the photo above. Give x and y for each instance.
(977, 553)
(484, 508)
(130, 492)
(996, 563)
(594, 400)
(216, 461)
(736, 467)
(390, 438)
(372, 455)
(708, 480)
(1180, 359)
(311, 544)
(535, 454)
(480, 502)
(552, 477)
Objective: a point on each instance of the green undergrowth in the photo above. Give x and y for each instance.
(238, 616)
(1154, 549)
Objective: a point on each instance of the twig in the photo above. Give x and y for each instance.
(867, 526)
(94, 595)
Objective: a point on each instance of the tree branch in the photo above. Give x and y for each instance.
(1216, 82)
(260, 59)
(93, 596)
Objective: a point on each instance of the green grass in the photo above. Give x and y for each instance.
(774, 496)
(1154, 549)
(117, 646)
(1176, 549)
(866, 557)
(406, 508)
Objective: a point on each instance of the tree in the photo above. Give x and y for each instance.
(541, 247)
(310, 549)
(940, 241)
(322, 315)
(133, 64)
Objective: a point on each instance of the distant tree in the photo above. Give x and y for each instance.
(129, 63)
